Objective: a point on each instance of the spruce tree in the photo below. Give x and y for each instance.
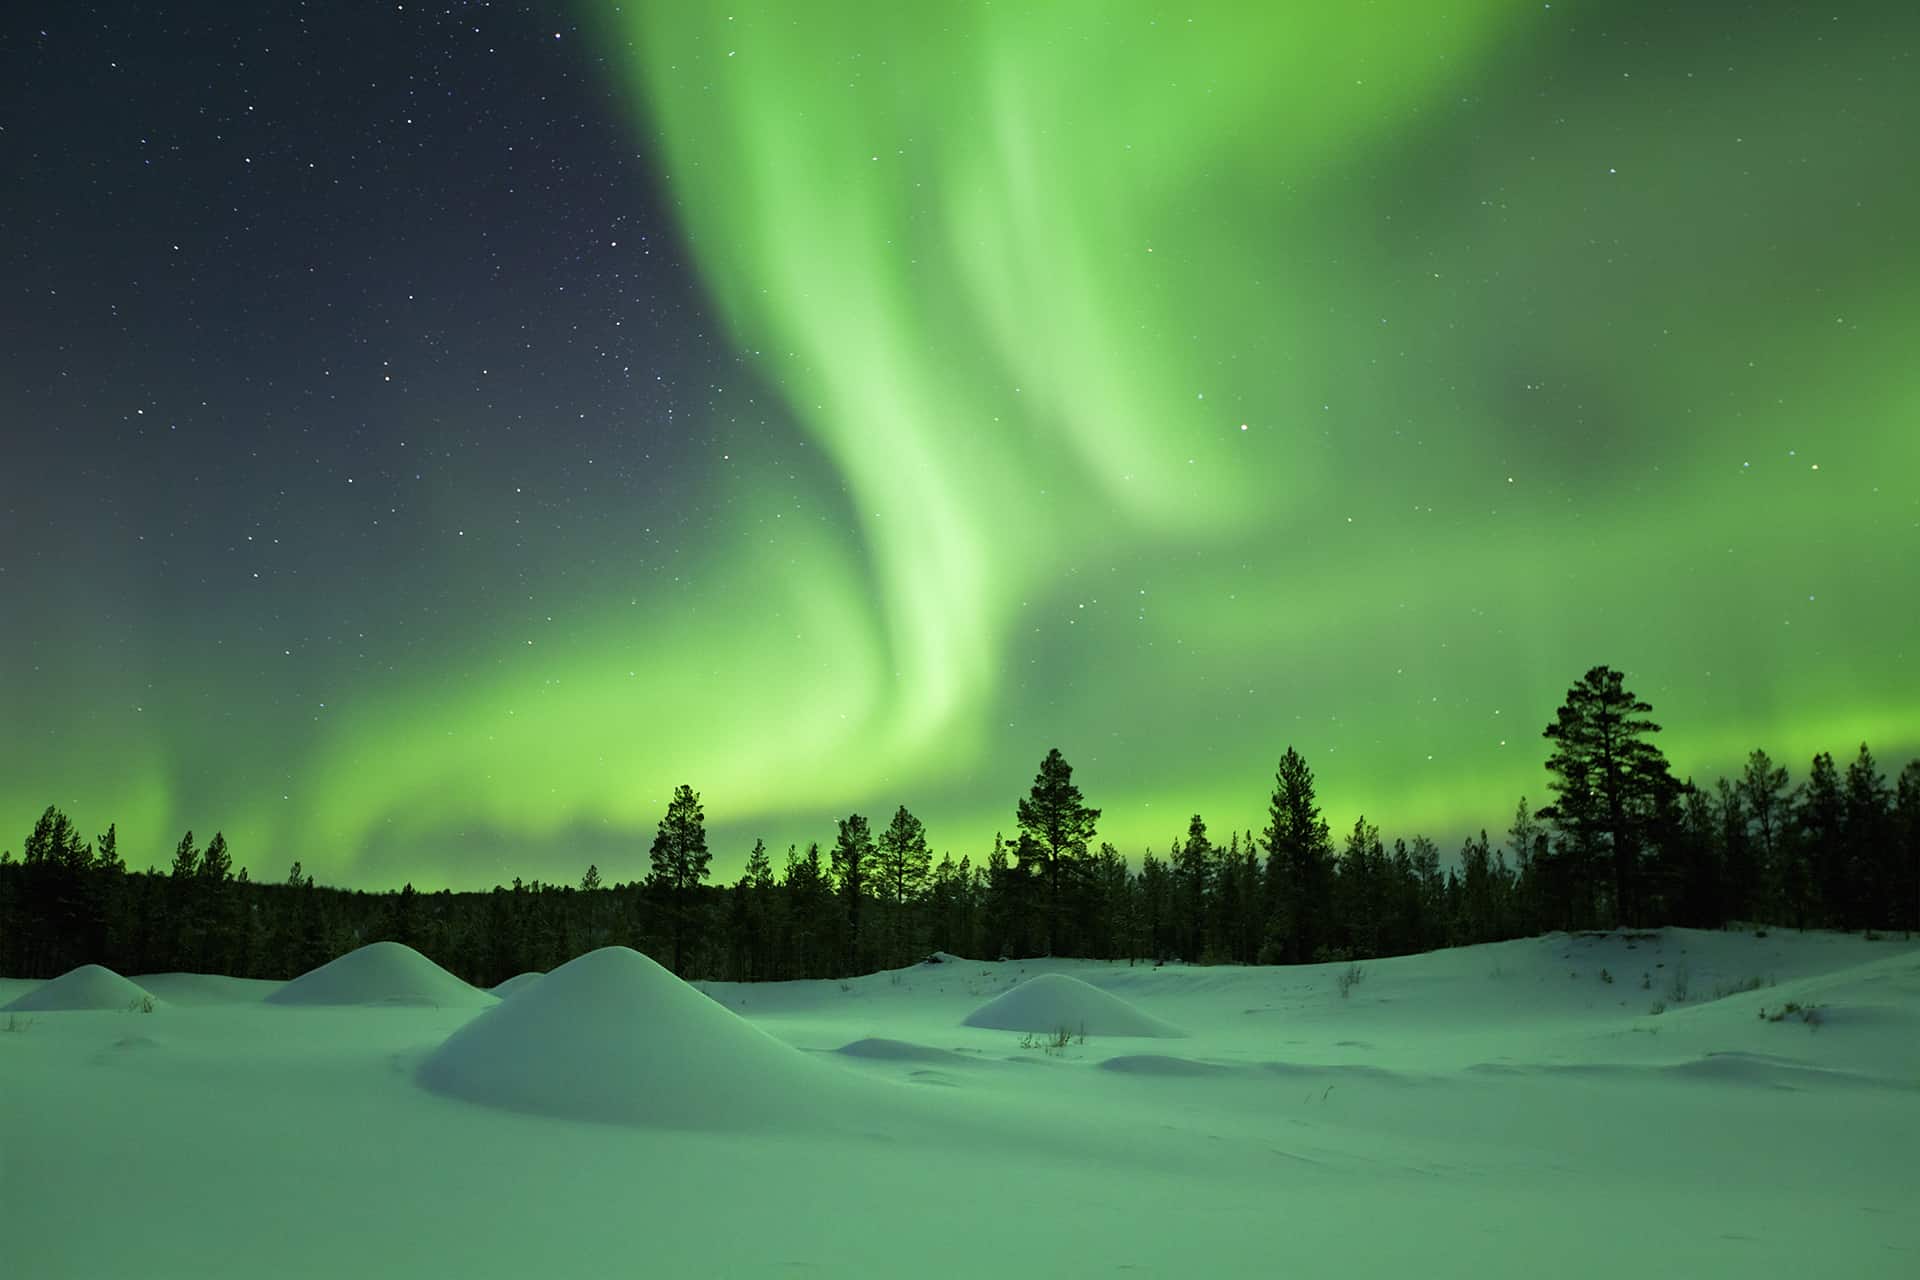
(1299, 866)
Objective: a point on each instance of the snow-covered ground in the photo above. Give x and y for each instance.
(1490, 1111)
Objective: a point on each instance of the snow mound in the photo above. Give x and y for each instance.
(1160, 1064)
(382, 973)
(91, 986)
(518, 982)
(613, 1037)
(879, 1049)
(1054, 1001)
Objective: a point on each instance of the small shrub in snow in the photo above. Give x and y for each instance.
(1754, 983)
(1807, 1013)
(143, 1005)
(1606, 977)
(1349, 979)
(1677, 985)
(17, 1023)
(1053, 1043)
(1646, 982)
(1658, 1007)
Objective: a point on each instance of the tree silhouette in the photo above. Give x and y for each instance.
(1059, 825)
(1299, 856)
(902, 863)
(1609, 778)
(679, 856)
(852, 862)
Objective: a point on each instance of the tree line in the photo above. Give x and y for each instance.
(1622, 842)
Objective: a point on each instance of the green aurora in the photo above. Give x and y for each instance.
(1172, 386)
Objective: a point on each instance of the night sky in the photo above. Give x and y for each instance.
(433, 432)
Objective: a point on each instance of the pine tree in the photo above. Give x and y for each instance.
(1155, 891)
(852, 863)
(1763, 787)
(755, 898)
(1872, 860)
(1227, 907)
(1739, 857)
(186, 858)
(590, 881)
(1109, 899)
(106, 855)
(1821, 821)
(997, 908)
(679, 857)
(901, 863)
(1610, 780)
(1299, 866)
(1059, 825)
(1192, 865)
(808, 928)
(1359, 884)
(216, 864)
(1906, 811)
(1694, 875)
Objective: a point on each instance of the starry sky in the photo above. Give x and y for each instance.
(432, 432)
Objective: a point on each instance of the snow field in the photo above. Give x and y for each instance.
(1493, 1111)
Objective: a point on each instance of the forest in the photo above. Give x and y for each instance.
(1621, 842)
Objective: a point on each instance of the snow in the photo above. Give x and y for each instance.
(1490, 1111)
(91, 986)
(382, 973)
(1056, 1003)
(613, 1037)
(517, 982)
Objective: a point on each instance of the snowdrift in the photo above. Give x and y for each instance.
(381, 973)
(1054, 1002)
(518, 982)
(613, 1037)
(204, 989)
(91, 986)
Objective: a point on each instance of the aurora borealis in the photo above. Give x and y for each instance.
(430, 437)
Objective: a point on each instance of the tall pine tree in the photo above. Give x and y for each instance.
(679, 857)
(1059, 825)
(1299, 866)
(1611, 782)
